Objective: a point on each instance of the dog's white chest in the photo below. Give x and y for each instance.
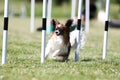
(56, 46)
(56, 42)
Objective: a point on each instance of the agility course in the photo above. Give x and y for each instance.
(78, 28)
(46, 21)
(24, 48)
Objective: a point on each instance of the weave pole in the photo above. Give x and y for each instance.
(49, 10)
(87, 14)
(5, 31)
(32, 16)
(78, 29)
(106, 29)
(73, 11)
(43, 31)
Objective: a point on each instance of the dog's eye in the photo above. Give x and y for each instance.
(58, 28)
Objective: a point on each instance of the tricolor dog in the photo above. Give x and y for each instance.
(58, 47)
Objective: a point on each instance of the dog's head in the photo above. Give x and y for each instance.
(59, 28)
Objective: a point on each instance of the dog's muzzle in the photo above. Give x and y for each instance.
(59, 31)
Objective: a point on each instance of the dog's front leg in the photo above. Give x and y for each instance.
(69, 49)
(56, 53)
(56, 56)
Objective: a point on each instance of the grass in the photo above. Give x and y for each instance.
(24, 48)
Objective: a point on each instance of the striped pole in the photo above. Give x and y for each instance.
(49, 9)
(73, 11)
(87, 14)
(32, 16)
(106, 29)
(43, 31)
(5, 31)
(78, 29)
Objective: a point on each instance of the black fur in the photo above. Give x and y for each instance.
(69, 22)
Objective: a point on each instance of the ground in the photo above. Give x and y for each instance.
(24, 49)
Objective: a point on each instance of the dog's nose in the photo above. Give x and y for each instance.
(57, 32)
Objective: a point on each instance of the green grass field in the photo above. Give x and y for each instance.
(24, 48)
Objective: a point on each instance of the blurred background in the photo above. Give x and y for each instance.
(60, 8)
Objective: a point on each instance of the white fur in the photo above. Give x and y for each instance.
(73, 39)
(56, 47)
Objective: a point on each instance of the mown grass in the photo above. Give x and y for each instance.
(24, 48)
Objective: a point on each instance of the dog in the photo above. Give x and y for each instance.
(58, 46)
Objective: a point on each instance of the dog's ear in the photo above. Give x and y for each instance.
(53, 22)
(69, 22)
